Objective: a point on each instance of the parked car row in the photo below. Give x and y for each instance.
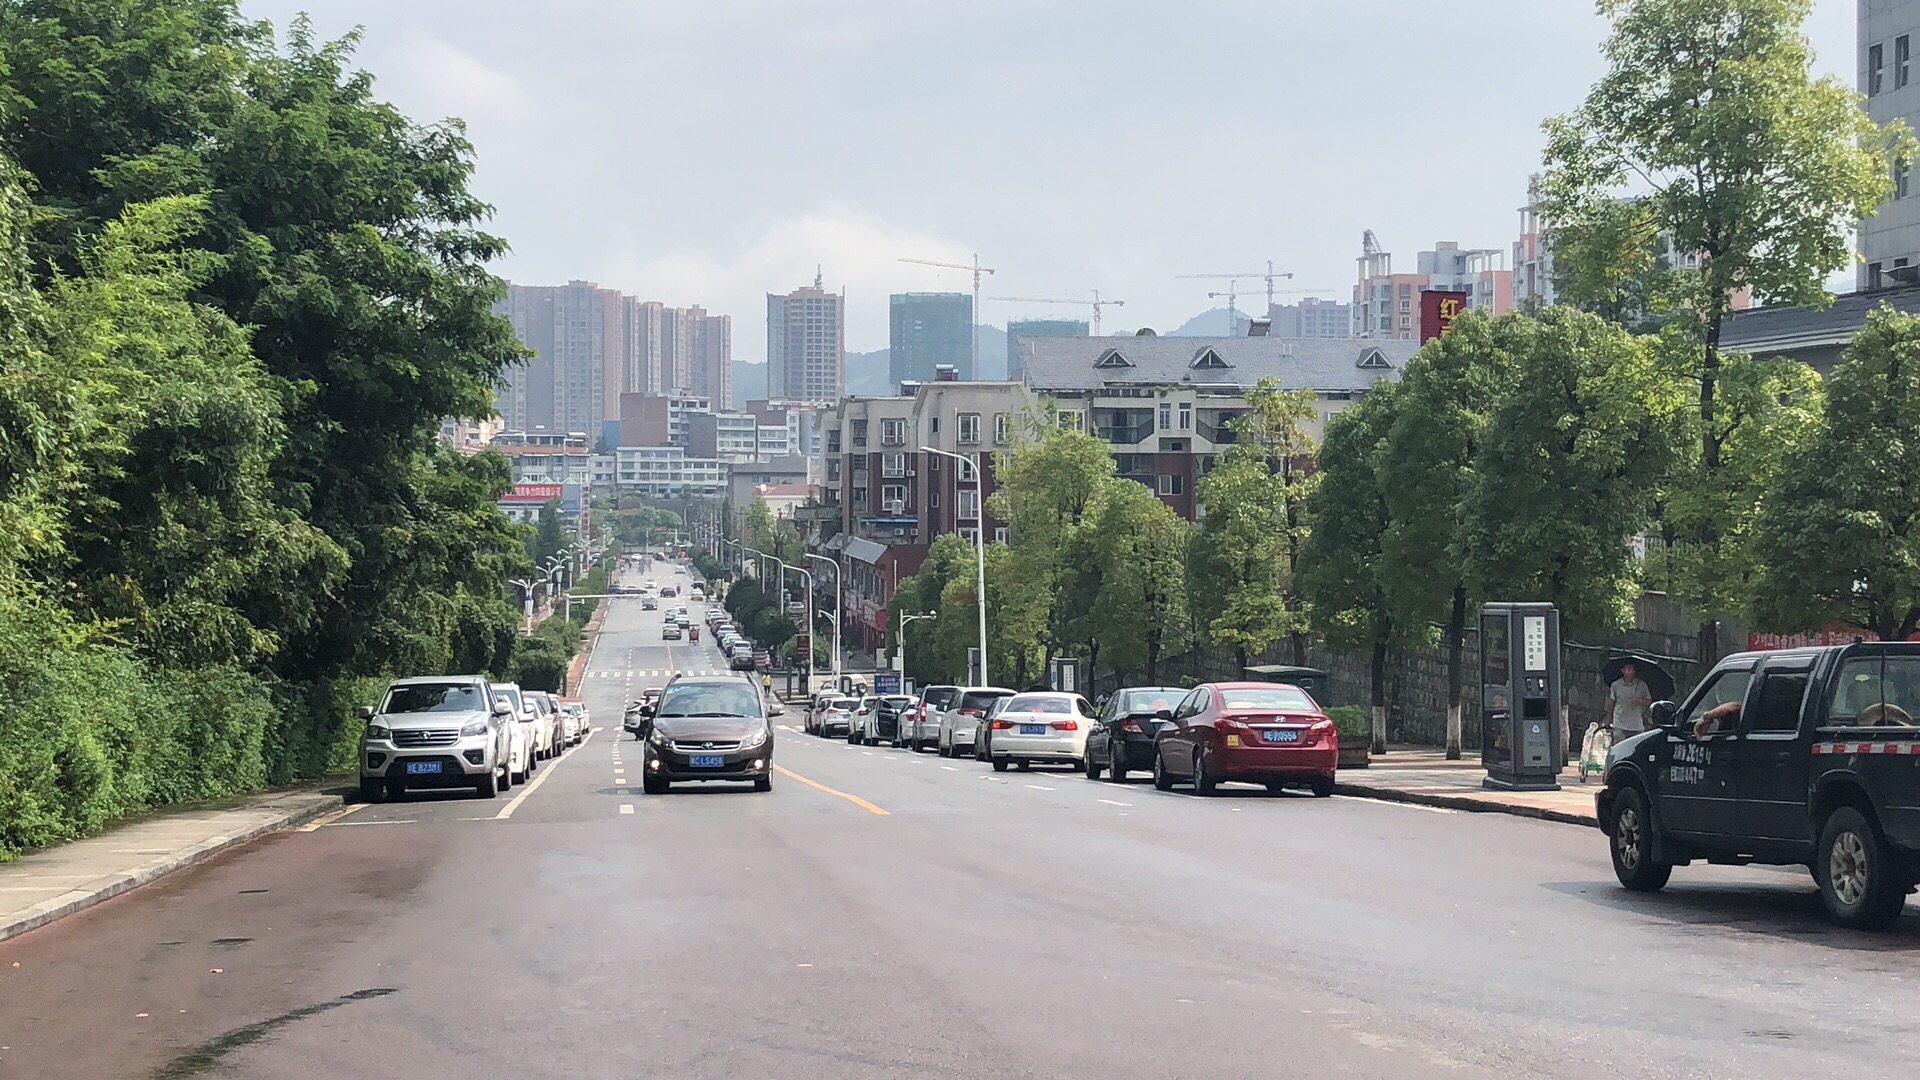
(447, 731)
(734, 645)
(1272, 734)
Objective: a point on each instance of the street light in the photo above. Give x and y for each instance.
(526, 589)
(806, 580)
(900, 661)
(979, 537)
(839, 605)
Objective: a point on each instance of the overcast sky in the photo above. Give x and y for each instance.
(710, 151)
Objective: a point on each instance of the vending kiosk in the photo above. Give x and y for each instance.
(1523, 745)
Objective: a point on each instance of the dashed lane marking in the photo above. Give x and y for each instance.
(1039, 787)
(817, 786)
(626, 808)
(507, 810)
(1110, 802)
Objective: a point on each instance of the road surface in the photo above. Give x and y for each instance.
(883, 914)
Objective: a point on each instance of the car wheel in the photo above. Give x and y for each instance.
(765, 783)
(487, 787)
(945, 750)
(1322, 787)
(1091, 765)
(372, 790)
(1859, 881)
(1162, 780)
(1202, 783)
(1632, 835)
(1116, 764)
(999, 764)
(852, 739)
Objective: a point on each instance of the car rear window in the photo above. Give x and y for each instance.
(846, 703)
(438, 697)
(1267, 697)
(1035, 703)
(980, 699)
(940, 697)
(1146, 701)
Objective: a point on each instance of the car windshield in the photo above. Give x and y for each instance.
(1265, 697)
(709, 699)
(437, 697)
(1039, 703)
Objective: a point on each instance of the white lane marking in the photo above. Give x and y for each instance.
(507, 810)
(327, 819)
(626, 808)
(1038, 787)
(866, 753)
(1402, 805)
(1110, 802)
(949, 768)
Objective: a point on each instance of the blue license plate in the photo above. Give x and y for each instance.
(707, 761)
(1280, 736)
(423, 768)
(1033, 729)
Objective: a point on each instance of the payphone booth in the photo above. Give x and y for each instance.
(1522, 744)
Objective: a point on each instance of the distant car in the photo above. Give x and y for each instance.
(698, 593)
(837, 717)
(1044, 726)
(960, 721)
(582, 719)
(1266, 733)
(649, 604)
(864, 719)
(527, 725)
(548, 730)
(670, 632)
(925, 730)
(1122, 739)
(708, 727)
(438, 732)
(669, 590)
(741, 658)
(636, 712)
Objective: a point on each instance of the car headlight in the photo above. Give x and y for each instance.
(656, 738)
(478, 727)
(379, 732)
(753, 740)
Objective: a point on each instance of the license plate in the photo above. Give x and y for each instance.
(1280, 736)
(707, 761)
(1033, 729)
(423, 768)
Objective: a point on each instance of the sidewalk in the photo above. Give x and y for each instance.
(51, 884)
(1423, 775)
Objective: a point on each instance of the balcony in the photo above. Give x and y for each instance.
(1130, 435)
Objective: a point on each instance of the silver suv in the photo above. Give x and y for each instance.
(437, 731)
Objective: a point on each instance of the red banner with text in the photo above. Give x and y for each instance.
(1438, 309)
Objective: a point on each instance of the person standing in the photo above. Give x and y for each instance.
(1630, 703)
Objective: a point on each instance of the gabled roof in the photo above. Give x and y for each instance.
(1112, 358)
(1326, 364)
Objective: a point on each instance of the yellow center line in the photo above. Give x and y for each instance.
(329, 818)
(854, 799)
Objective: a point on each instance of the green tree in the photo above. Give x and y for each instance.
(1139, 556)
(1577, 441)
(1838, 539)
(1344, 568)
(549, 535)
(1045, 488)
(1748, 168)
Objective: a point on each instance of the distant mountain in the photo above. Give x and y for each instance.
(867, 374)
(749, 382)
(1217, 322)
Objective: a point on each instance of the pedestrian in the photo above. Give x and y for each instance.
(1630, 703)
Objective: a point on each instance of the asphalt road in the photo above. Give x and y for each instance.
(913, 917)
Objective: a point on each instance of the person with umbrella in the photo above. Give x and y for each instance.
(1629, 701)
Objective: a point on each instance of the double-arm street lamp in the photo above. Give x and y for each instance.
(979, 535)
(900, 661)
(806, 579)
(839, 604)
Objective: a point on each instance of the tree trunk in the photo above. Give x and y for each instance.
(1378, 676)
(1709, 646)
(1456, 660)
(1299, 649)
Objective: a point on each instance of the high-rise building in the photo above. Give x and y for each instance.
(1532, 257)
(1311, 318)
(927, 331)
(1037, 328)
(710, 355)
(806, 344)
(1387, 305)
(1890, 239)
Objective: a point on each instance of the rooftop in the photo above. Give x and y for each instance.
(1235, 362)
(1782, 329)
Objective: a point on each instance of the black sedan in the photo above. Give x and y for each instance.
(1122, 739)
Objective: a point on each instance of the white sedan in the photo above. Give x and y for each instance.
(1041, 726)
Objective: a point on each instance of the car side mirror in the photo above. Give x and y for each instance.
(1163, 716)
(1663, 713)
(501, 708)
(365, 711)
(648, 710)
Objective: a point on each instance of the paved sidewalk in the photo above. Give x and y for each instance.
(51, 884)
(1423, 775)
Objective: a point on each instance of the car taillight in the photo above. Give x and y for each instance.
(1225, 725)
(1065, 725)
(1002, 725)
(1132, 727)
(1323, 729)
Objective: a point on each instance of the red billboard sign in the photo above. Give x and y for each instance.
(1438, 309)
(542, 492)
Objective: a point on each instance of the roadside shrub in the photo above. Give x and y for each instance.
(1351, 722)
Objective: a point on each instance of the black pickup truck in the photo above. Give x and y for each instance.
(1801, 756)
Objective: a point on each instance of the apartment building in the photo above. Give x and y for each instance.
(665, 471)
(539, 457)
(928, 331)
(1310, 317)
(1387, 305)
(806, 345)
(1890, 239)
(469, 436)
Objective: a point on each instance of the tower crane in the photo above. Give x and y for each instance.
(977, 271)
(1233, 296)
(1096, 303)
(1269, 275)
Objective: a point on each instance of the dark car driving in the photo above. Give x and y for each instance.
(1122, 739)
(708, 727)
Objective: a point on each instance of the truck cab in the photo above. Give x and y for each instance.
(1800, 756)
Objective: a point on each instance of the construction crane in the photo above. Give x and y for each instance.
(1269, 276)
(977, 271)
(1096, 303)
(1233, 296)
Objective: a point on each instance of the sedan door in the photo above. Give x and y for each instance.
(1178, 743)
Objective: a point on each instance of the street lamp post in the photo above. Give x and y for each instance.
(900, 659)
(806, 580)
(839, 602)
(979, 537)
(526, 591)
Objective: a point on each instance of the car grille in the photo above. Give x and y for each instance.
(409, 739)
(704, 747)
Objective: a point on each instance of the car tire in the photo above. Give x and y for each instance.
(372, 790)
(765, 783)
(488, 786)
(1162, 779)
(1322, 787)
(1859, 876)
(1000, 764)
(852, 739)
(945, 750)
(1202, 783)
(1116, 764)
(1631, 839)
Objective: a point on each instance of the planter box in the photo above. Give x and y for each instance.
(1354, 757)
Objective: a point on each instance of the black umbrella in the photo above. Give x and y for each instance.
(1659, 683)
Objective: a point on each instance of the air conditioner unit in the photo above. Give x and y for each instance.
(913, 472)
(894, 507)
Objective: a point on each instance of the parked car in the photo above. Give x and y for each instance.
(886, 719)
(549, 710)
(865, 718)
(983, 741)
(437, 732)
(1041, 726)
(708, 727)
(1122, 738)
(836, 718)
(926, 721)
(960, 720)
(821, 699)
(582, 719)
(1264, 733)
(741, 657)
(1797, 757)
(528, 726)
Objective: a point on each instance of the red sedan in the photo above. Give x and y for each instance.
(1262, 733)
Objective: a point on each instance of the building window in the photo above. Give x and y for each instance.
(893, 498)
(969, 427)
(1901, 68)
(933, 498)
(1172, 484)
(859, 433)
(893, 464)
(1876, 63)
(1166, 416)
(1386, 322)
(1873, 275)
(1000, 535)
(1406, 305)
(969, 502)
(893, 433)
(1073, 420)
(859, 496)
(1001, 427)
(1186, 416)
(1406, 291)
(1900, 181)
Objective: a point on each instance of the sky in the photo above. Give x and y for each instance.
(711, 151)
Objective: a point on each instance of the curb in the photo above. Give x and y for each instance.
(81, 899)
(1461, 802)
